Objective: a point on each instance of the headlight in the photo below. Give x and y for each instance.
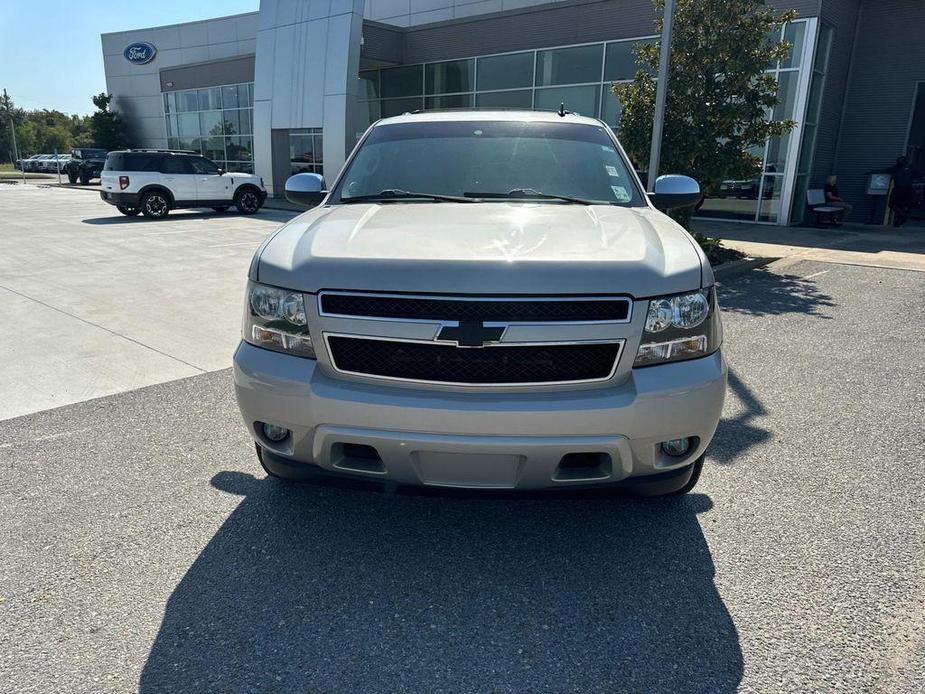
(685, 326)
(275, 319)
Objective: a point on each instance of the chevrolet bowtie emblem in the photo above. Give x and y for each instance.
(470, 334)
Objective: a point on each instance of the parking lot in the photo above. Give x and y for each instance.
(145, 549)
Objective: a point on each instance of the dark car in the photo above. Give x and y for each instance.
(85, 164)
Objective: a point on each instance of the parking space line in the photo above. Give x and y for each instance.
(101, 327)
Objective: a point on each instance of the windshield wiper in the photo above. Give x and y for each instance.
(398, 194)
(530, 194)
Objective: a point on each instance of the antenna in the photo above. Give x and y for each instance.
(562, 110)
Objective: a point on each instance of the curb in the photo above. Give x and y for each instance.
(739, 267)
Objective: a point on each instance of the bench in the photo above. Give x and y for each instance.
(826, 215)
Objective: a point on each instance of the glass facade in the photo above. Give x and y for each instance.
(217, 122)
(760, 198)
(305, 151)
(542, 79)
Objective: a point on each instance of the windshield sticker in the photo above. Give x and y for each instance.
(612, 171)
(619, 192)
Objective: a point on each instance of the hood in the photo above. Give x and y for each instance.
(482, 248)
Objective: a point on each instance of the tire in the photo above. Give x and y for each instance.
(222, 208)
(266, 469)
(247, 200)
(128, 211)
(692, 482)
(155, 204)
(71, 178)
(84, 179)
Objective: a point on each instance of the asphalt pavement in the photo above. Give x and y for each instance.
(143, 547)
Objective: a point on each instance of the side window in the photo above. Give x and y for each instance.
(172, 164)
(201, 165)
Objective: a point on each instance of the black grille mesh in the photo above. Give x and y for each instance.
(487, 365)
(418, 308)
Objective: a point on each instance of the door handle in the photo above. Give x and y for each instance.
(169, 178)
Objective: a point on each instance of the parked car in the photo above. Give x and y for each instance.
(156, 181)
(36, 162)
(52, 163)
(85, 164)
(506, 309)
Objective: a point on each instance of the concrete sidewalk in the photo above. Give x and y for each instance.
(856, 244)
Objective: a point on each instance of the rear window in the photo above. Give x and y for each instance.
(128, 161)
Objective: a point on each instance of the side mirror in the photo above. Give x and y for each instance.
(305, 189)
(672, 192)
(220, 171)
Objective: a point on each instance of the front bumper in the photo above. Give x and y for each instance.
(502, 440)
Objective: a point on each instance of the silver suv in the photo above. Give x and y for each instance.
(484, 300)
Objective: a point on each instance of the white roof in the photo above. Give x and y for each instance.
(529, 116)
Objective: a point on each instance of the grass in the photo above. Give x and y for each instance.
(7, 171)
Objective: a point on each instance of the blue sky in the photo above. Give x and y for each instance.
(50, 53)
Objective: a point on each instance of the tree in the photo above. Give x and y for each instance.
(107, 127)
(720, 103)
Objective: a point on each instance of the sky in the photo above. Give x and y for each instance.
(50, 55)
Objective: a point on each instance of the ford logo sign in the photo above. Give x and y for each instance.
(139, 53)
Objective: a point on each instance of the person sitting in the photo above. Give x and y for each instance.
(833, 199)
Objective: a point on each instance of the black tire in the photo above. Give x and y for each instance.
(84, 179)
(247, 200)
(267, 470)
(155, 204)
(692, 482)
(221, 208)
(72, 178)
(128, 211)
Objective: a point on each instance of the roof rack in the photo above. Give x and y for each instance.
(162, 151)
(560, 110)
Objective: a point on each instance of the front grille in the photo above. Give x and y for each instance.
(469, 310)
(415, 361)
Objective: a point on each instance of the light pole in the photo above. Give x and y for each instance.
(661, 90)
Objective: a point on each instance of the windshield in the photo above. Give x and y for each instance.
(497, 160)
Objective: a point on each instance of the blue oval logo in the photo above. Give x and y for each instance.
(139, 53)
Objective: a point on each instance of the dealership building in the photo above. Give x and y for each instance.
(291, 87)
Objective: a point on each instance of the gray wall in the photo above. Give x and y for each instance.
(842, 16)
(208, 74)
(889, 60)
(554, 24)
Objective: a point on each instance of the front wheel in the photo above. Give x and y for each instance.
(247, 201)
(128, 211)
(84, 179)
(72, 178)
(155, 205)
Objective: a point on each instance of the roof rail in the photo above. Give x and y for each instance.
(162, 151)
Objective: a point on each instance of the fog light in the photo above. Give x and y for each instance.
(275, 433)
(676, 447)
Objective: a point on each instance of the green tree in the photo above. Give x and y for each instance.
(107, 127)
(720, 101)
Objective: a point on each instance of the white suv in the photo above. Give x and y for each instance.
(154, 182)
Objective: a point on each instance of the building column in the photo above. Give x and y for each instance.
(308, 57)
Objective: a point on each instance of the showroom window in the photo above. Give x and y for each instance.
(772, 192)
(579, 76)
(217, 122)
(305, 151)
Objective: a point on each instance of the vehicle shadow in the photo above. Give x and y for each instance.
(741, 430)
(764, 292)
(180, 215)
(333, 587)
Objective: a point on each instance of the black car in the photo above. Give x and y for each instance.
(85, 164)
